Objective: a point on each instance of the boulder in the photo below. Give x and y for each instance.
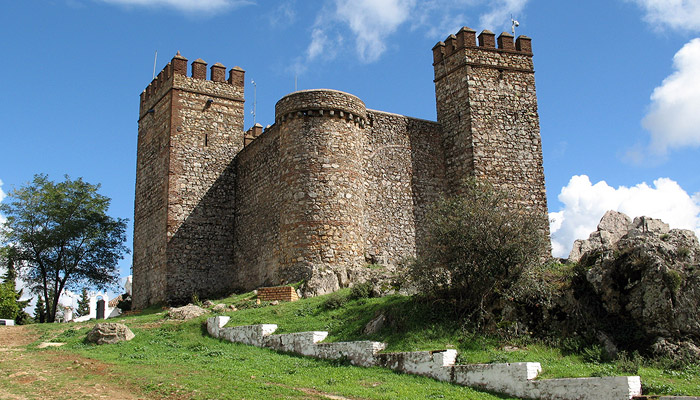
(375, 325)
(109, 333)
(611, 228)
(646, 284)
(186, 312)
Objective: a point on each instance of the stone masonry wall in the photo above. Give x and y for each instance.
(321, 144)
(258, 211)
(404, 174)
(207, 135)
(151, 200)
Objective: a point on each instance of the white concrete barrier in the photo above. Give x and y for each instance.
(515, 379)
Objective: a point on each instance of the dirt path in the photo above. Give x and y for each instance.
(51, 374)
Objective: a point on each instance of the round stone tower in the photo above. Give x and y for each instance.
(321, 145)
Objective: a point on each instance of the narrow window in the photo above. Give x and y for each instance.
(206, 140)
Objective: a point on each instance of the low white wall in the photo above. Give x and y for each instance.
(515, 379)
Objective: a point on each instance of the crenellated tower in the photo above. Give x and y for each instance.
(487, 106)
(190, 129)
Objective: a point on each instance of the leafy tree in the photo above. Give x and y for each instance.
(8, 254)
(83, 304)
(8, 302)
(63, 237)
(40, 311)
(479, 244)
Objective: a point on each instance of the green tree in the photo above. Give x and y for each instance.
(83, 304)
(479, 243)
(40, 310)
(63, 237)
(8, 254)
(8, 302)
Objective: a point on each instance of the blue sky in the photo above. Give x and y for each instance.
(618, 83)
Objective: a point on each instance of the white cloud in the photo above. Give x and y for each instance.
(188, 6)
(585, 203)
(319, 42)
(284, 14)
(675, 14)
(673, 119)
(372, 21)
(499, 16)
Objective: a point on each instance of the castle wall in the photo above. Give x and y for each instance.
(204, 142)
(404, 173)
(258, 213)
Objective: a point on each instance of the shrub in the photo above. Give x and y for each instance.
(361, 291)
(334, 301)
(478, 245)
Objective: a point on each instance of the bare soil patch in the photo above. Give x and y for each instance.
(49, 374)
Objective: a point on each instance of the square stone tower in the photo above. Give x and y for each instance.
(487, 106)
(190, 129)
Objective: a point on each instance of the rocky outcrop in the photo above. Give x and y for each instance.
(109, 333)
(611, 228)
(643, 279)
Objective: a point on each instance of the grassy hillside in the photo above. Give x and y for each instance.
(177, 359)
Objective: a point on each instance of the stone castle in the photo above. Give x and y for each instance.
(331, 186)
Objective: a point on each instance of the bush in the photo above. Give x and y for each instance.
(361, 291)
(334, 301)
(478, 245)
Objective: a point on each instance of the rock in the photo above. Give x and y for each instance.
(375, 325)
(219, 307)
(109, 333)
(233, 308)
(274, 302)
(610, 229)
(208, 303)
(647, 282)
(322, 281)
(186, 312)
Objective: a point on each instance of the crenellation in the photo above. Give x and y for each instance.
(523, 44)
(505, 41)
(328, 188)
(487, 39)
(218, 72)
(438, 52)
(199, 69)
(466, 37)
(450, 45)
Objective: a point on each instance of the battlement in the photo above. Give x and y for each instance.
(178, 66)
(252, 133)
(466, 38)
(321, 103)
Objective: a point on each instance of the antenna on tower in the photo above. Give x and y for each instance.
(155, 60)
(513, 24)
(255, 100)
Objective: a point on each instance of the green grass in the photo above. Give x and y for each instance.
(169, 352)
